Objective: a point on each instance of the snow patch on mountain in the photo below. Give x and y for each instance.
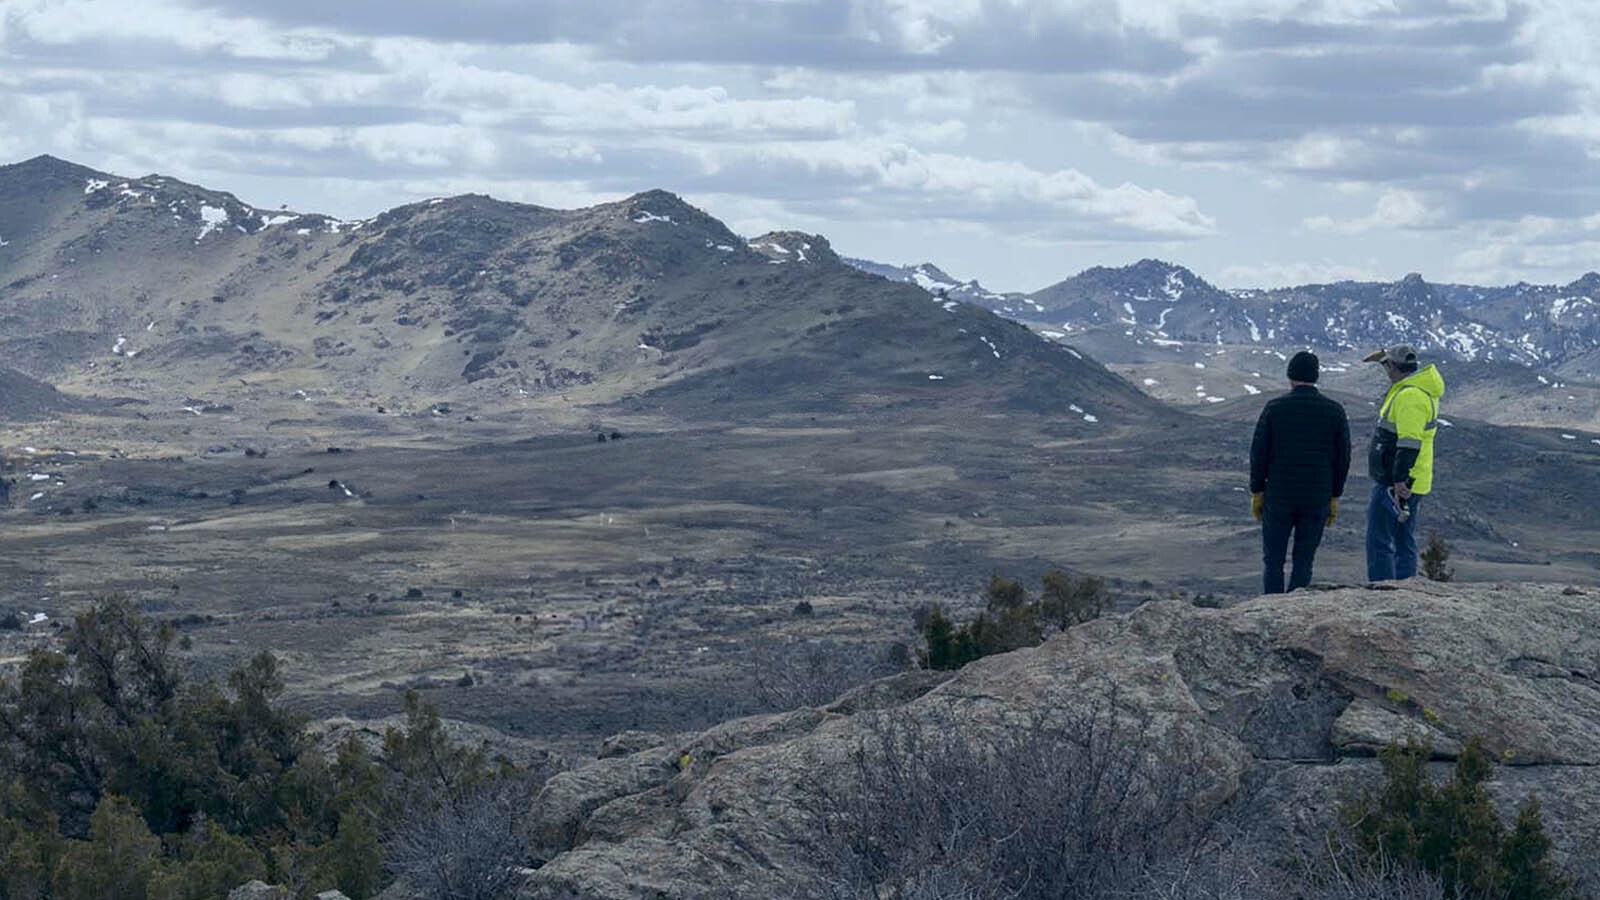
(211, 219)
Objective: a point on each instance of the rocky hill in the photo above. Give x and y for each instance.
(1275, 709)
(156, 288)
(936, 281)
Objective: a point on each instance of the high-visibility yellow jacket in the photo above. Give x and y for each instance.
(1402, 444)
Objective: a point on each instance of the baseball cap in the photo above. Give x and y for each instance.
(1399, 354)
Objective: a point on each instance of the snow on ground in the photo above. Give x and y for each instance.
(211, 219)
(94, 184)
(1252, 390)
(928, 282)
(644, 217)
(1174, 286)
(935, 377)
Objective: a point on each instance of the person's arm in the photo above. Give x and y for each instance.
(1341, 454)
(1412, 410)
(1261, 451)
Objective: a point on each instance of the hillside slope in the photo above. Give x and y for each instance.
(160, 289)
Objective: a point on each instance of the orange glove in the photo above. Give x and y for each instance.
(1258, 502)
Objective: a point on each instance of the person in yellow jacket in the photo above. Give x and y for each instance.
(1400, 461)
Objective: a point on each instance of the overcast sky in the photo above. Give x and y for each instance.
(1258, 142)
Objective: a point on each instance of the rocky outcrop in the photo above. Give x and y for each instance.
(259, 890)
(1280, 702)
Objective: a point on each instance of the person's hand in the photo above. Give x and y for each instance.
(1258, 502)
(1402, 490)
(1333, 510)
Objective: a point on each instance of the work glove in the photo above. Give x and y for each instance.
(1333, 510)
(1258, 502)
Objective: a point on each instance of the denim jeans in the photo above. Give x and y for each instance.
(1280, 520)
(1391, 544)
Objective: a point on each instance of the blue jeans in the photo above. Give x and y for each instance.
(1391, 544)
(1279, 520)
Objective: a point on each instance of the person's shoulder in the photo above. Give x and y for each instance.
(1276, 403)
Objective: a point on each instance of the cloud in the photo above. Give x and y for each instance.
(1552, 250)
(145, 28)
(1395, 210)
(903, 182)
(1206, 129)
(905, 35)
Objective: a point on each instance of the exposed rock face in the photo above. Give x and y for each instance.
(258, 890)
(1282, 701)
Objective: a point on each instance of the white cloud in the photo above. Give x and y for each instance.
(943, 185)
(1396, 209)
(77, 22)
(1551, 250)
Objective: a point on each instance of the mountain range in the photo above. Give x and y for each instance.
(1551, 327)
(156, 288)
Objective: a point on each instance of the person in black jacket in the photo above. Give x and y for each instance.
(1299, 460)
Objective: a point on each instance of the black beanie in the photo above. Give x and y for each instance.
(1303, 367)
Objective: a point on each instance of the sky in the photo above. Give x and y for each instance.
(1260, 143)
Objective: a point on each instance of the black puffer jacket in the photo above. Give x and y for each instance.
(1301, 450)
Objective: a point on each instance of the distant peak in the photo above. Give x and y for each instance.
(660, 204)
(934, 272)
(45, 164)
(1411, 288)
(656, 195)
(793, 246)
(1589, 284)
(1152, 263)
